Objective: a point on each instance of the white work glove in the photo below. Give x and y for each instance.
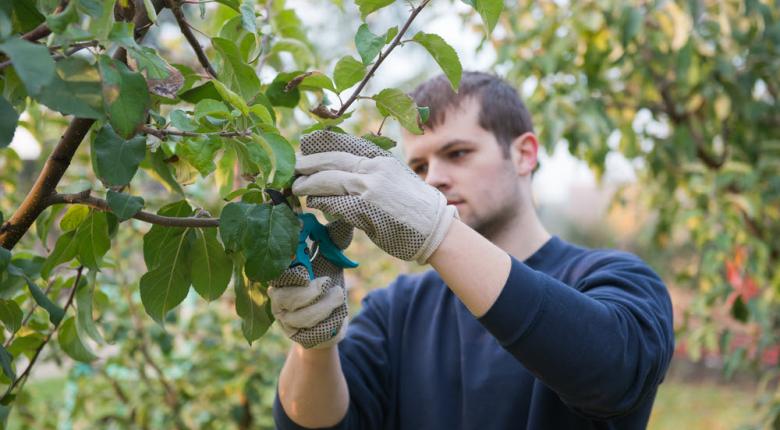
(313, 312)
(366, 186)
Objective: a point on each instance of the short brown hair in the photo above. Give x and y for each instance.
(501, 110)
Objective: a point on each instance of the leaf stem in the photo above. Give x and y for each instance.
(382, 56)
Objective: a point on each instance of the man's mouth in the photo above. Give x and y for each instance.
(454, 202)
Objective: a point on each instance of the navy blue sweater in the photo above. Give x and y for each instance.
(577, 339)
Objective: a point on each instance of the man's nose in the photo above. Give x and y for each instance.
(438, 176)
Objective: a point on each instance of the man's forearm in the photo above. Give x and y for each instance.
(312, 388)
(473, 267)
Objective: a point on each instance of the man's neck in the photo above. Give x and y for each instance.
(522, 237)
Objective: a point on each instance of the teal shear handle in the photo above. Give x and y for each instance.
(317, 233)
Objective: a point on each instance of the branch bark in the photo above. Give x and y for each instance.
(381, 58)
(97, 203)
(162, 133)
(57, 163)
(178, 13)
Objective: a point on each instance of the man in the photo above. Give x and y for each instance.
(512, 329)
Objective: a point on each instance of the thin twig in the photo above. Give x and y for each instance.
(175, 7)
(381, 57)
(161, 134)
(34, 358)
(59, 56)
(97, 203)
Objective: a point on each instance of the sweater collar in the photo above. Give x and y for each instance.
(547, 254)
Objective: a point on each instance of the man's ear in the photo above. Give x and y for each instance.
(523, 151)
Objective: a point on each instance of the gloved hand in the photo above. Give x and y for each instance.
(313, 312)
(366, 186)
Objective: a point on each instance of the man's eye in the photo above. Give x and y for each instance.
(420, 169)
(457, 154)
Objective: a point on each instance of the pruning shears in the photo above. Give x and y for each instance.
(312, 239)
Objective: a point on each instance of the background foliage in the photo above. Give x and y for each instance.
(685, 90)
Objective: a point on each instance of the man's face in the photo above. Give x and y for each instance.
(466, 163)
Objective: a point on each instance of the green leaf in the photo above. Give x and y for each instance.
(75, 90)
(252, 157)
(165, 286)
(93, 8)
(71, 344)
(74, 216)
(205, 91)
(252, 306)
(200, 152)
(182, 121)
(151, 13)
(26, 15)
(84, 297)
(56, 313)
(270, 240)
(231, 97)
(348, 72)
(158, 168)
(233, 222)
(93, 240)
(101, 26)
(239, 76)
(248, 19)
(444, 55)
(159, 238)
(11, 315)
(44, 222)
(58, 23)
(64, 250)
(368, 6)
(489, 10)
(6, 360)
(381, 141)
(32, 63)
(148, 60)
(124, 205)
(279, 97)
(213, 108)
(125, 95)
(8, 120)
(211, 266)
(400, 106)
(315, 81)
(368, 44)
(390, 34)
(284, 158)
(115, 160)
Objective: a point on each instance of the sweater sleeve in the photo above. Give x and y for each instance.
(603, 345)
(364, 354)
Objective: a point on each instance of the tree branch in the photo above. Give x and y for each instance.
(34, 358)
(381, 58)
(57, 163)
(85, 199)
(162, 133)
(175, 7)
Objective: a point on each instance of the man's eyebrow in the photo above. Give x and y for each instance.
(444, 148)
